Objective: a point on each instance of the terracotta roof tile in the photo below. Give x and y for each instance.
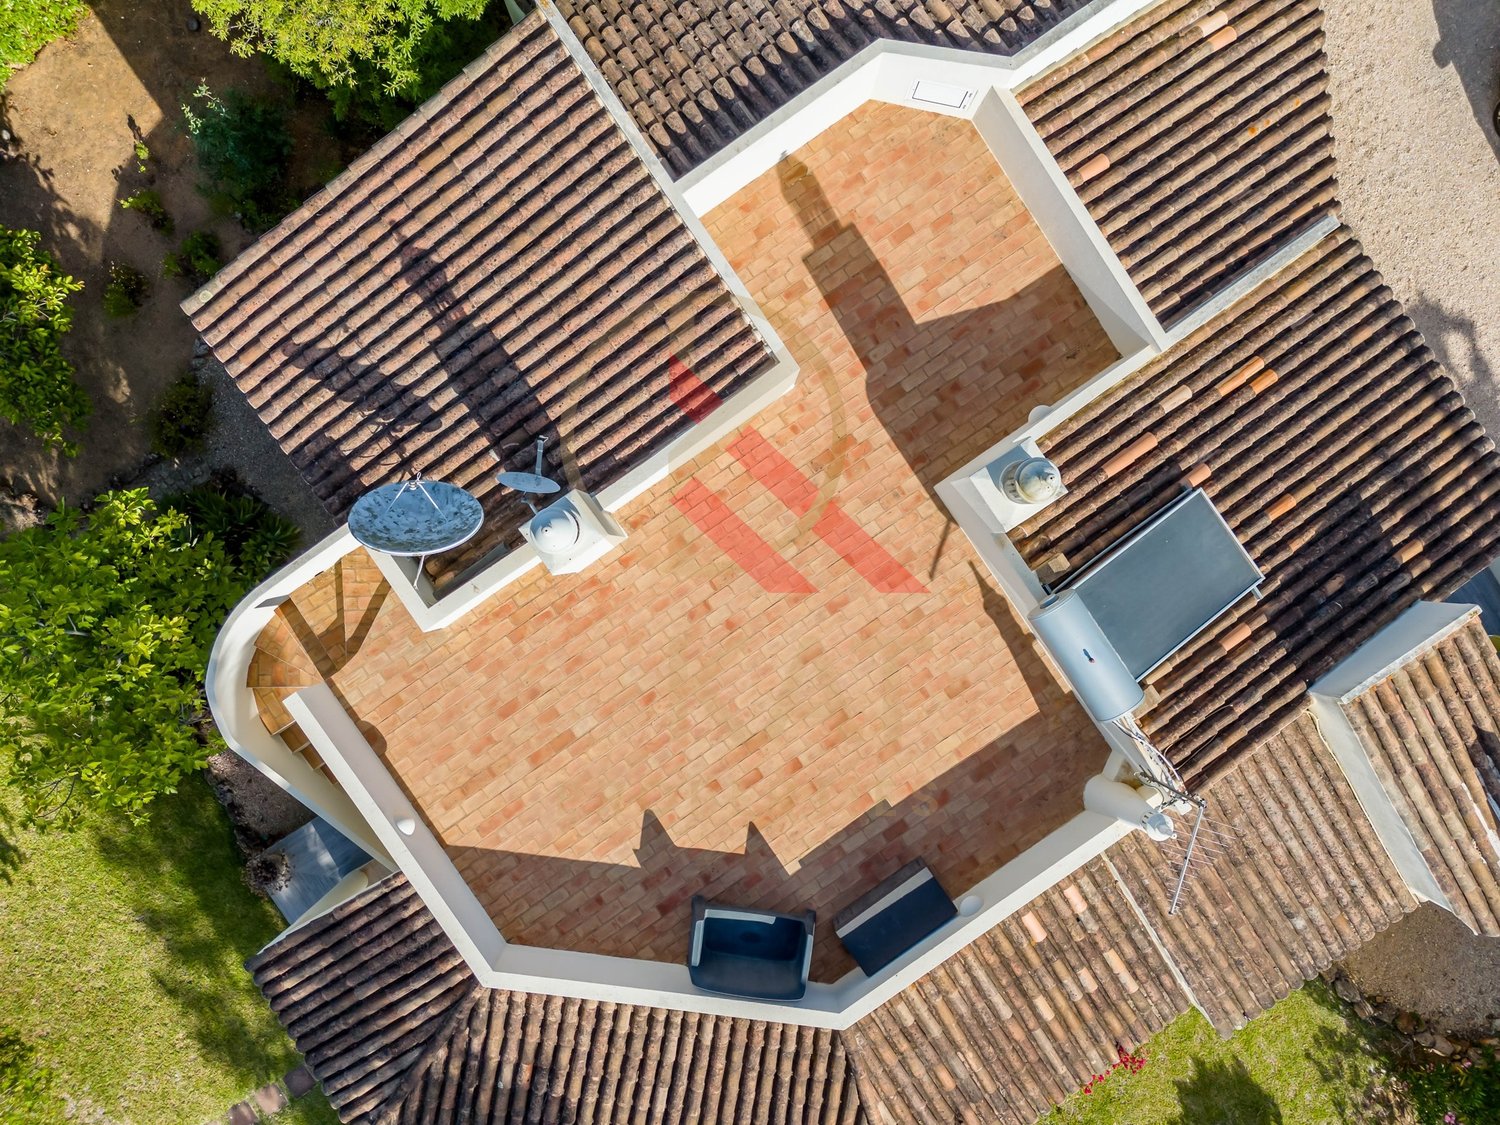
(1358, 480)
(1023, 1016)
(695, 76)
(1304, 882)
(363, 991)
(397, 1030)
(502, 266)
(1432, 731)
(1198, 137)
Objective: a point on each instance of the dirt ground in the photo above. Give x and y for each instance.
(1414, 84)
(74, 115)
(1429, 963)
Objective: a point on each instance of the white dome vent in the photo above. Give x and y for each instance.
(572, 532)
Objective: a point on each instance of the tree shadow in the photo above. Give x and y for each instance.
(180, 875)
(1353, 1055)
(1468, 38)
(640, 909)
(120, 83)
(11, 855)
(1454, 339)
(1224, 1094)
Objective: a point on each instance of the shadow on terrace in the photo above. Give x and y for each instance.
(966, 822)
(792, 678)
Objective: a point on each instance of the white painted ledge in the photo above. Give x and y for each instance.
(233, 704)
(431, 613)
(1402, 641)
(888, 71)
(422, 857)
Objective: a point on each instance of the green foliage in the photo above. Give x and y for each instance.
(198, 258)
(126, 291)
(37, 389)
(370, 96)
(26, 26)
(142, 155)
(257, 536)
(25, 1085)
(327, 41)
(106, 621)
(123, 962)
(310, 1109)
(182, 419)
(1306, 1061)
(243, 149)
(1459, 1093)
(149, 206)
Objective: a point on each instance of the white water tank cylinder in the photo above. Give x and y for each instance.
(1099, 677)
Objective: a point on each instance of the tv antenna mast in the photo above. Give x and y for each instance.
(1206, 843)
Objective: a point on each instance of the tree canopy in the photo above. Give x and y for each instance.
(37, 389)
(106, 621)
(325, 41)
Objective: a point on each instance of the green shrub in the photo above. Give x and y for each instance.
(142, 155)
(126, 291)
(370, 95)
(25, 1084)
(261, 538)
(381, 44)
(26, 26)
(149, 206)
(108, 621)
(37, 389)
(243, 149)
(197, 258)
(182, 419)
(1454, 1091)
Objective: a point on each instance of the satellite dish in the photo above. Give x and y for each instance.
(415, 517)
(532, 483)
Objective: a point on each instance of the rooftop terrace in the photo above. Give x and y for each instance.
(793, 676)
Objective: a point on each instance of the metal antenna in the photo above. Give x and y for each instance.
(1206, 843)
(533, 483)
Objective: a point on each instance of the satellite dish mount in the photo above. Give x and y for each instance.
(532, 483)
(415, 518)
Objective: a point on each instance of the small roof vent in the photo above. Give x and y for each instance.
(555, 530)
(1035, 480)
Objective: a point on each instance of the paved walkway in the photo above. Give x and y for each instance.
(1414, 84)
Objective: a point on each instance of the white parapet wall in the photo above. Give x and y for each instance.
(978, 88)
(889, 71)
(1402, 641)
(233, 703)
(431, 613)
(418, 852)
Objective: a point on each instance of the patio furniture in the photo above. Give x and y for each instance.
(757, 954)
(880, 926)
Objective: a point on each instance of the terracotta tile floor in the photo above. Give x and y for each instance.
(794, 676)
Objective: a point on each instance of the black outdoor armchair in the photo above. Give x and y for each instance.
(758, 954)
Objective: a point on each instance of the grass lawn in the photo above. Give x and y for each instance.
(122, 952)
(1302, 1063)
(311, 1109)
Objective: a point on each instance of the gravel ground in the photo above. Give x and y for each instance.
(1414, 84)
(1430, 963)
